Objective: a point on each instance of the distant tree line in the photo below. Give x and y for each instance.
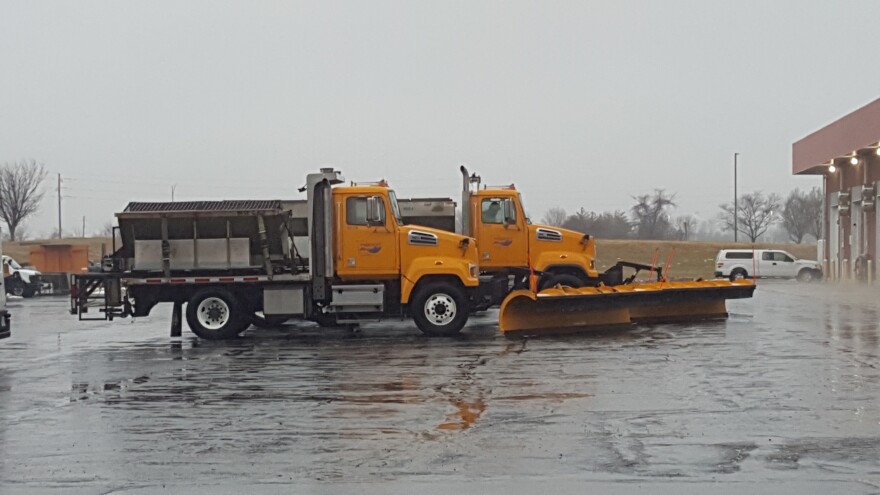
(650, 217)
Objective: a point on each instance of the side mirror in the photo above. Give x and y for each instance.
(509, 217)
(374, 213)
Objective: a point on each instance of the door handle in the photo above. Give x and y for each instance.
(774, 264)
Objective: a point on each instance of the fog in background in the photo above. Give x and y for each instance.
(577, 103)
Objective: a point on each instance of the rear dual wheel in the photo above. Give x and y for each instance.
(215, 314)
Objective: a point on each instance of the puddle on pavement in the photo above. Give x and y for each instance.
(466, 414)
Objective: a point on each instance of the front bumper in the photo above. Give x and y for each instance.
(718, 274)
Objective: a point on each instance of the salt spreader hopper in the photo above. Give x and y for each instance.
(566, 308)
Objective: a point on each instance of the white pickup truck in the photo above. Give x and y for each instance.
(764, 263)
(20, 281)
(4, 315)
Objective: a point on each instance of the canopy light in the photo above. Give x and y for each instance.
(878, 150)
(854, 161)
(832, 168)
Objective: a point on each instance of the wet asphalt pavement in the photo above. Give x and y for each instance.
(783, 397)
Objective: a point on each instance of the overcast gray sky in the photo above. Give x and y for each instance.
(578, 103)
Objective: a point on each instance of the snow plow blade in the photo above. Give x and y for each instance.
(565, 308)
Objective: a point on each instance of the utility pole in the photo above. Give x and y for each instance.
(84, 227)
(173, 187)
(735, 200)
(59, 205)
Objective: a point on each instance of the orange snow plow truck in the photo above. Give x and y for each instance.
(547, 275)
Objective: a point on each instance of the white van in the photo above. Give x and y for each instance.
(764, 263)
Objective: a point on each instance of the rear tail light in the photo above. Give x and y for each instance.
(719, 264)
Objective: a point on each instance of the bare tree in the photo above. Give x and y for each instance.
(755, 215)
(555, 217)
(686, 226)
(802, 214)
(20, 192)
(649, 214)
(106, 230)
(605, 225)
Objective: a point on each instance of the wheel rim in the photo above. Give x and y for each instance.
(806, 276)
(440, 309)
(213, 313)
(738, 276)
(18, 290)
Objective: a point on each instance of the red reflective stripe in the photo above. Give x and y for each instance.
(154, 280)
(178, 280)
(202, 280)
(251, 279)
(227, 279)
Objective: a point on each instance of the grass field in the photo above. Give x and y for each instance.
(691, 259)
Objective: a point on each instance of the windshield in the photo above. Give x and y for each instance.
(14, 264)
(526, 215)
(394, 208)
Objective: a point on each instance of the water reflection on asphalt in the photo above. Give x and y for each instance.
(782, 395)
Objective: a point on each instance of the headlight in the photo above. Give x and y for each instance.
(474, 270)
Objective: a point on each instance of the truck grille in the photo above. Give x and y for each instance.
(419, 238)
(549, 235)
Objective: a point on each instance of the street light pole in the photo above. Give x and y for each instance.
(735, 199)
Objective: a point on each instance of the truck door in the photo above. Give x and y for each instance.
(501, 233)
(766, 264)
(784, 264)
(367, 243)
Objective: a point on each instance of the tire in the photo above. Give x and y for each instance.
(28, 292)
(806, 275)
(215, 314)
(564, 279)
(738, 274)
(439, 308)
(17, 288)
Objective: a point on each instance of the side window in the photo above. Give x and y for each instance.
(738, 255)
(356, 211)
(782, 257)
(767, 256)
(493, 211)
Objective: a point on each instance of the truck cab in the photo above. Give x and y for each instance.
(372, 243)
(509, 243)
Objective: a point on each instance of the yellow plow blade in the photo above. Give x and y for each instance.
(589, 307)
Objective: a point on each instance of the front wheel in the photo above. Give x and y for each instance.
(17, 289)
(562, 279)
(214, 314)
(439, 308)
(808, 275)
